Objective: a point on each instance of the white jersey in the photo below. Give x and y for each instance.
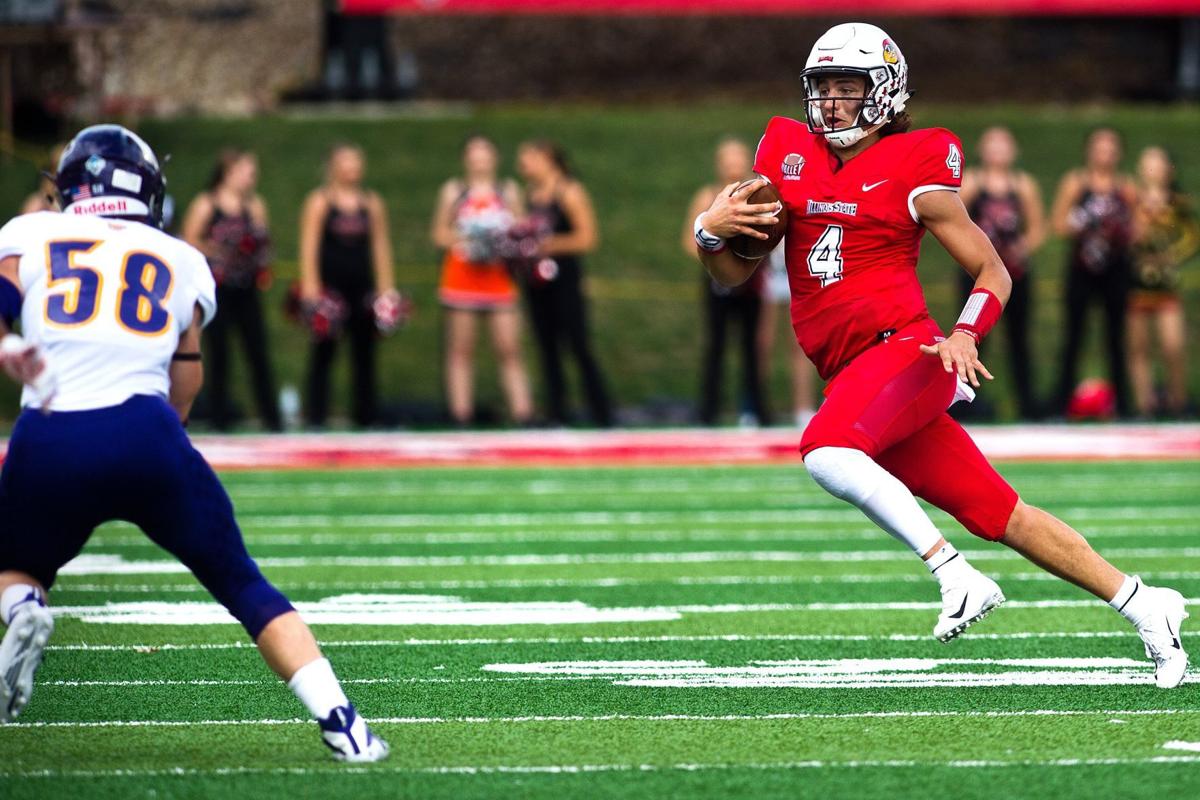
(106, 300)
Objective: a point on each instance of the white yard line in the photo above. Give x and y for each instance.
(403, 610)
(588, 640)
(1047, 712)
(594, 583)
(725, 482)
(849, 673)
(510, 519)
(272, 682)
(112, 564)
(827, 533)
(844, 673)
(586, 769)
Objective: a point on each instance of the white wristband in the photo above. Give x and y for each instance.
(705, 240)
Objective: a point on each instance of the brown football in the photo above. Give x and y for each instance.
(746, 246)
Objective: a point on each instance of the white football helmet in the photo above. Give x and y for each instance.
(856, 48)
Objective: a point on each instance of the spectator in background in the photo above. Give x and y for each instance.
(1006, 204)
(45, 197)
(346, 264)
(228, 223)
(561, 211)
(473, 215)
(777, 294)
(1094, 210)
(741, 304)
(1166, 235)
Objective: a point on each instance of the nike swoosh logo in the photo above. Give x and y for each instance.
(960, 611)
(1174, 638)
(869, 186)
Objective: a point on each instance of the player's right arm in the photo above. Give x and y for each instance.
(728, 216)
(187, 370)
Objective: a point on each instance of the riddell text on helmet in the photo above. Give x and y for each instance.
(105, 206)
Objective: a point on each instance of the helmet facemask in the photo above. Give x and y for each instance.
(843, 134)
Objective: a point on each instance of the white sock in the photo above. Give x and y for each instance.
(318, 688)
(1129, 601)
(17, 595)
(947, 564)
(852, 476)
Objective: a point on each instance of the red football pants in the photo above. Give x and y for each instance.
(890, 402)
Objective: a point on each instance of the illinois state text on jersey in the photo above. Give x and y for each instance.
(106, 300)
(853, 236)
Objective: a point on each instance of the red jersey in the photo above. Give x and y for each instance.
(853, 236)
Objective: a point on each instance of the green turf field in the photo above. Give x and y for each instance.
(642, 164)
(619, 632)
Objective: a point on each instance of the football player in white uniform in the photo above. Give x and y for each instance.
(111, 310)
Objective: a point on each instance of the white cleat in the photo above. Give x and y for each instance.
(1161, 635)
(966, 602)
(347, 735)
(20, 656)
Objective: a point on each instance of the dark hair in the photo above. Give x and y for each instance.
(555, 152)
(225, 161)
(902, 123)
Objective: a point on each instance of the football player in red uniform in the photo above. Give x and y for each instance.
(861, 189)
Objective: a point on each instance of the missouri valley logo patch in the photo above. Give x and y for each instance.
(792, 164)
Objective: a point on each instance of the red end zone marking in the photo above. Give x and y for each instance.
(662, 447)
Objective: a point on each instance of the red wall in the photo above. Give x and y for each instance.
(774, 7)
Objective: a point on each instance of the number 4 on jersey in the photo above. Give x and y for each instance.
(954, 161)
(825, 257)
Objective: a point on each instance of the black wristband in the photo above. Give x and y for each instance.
(186, 357)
